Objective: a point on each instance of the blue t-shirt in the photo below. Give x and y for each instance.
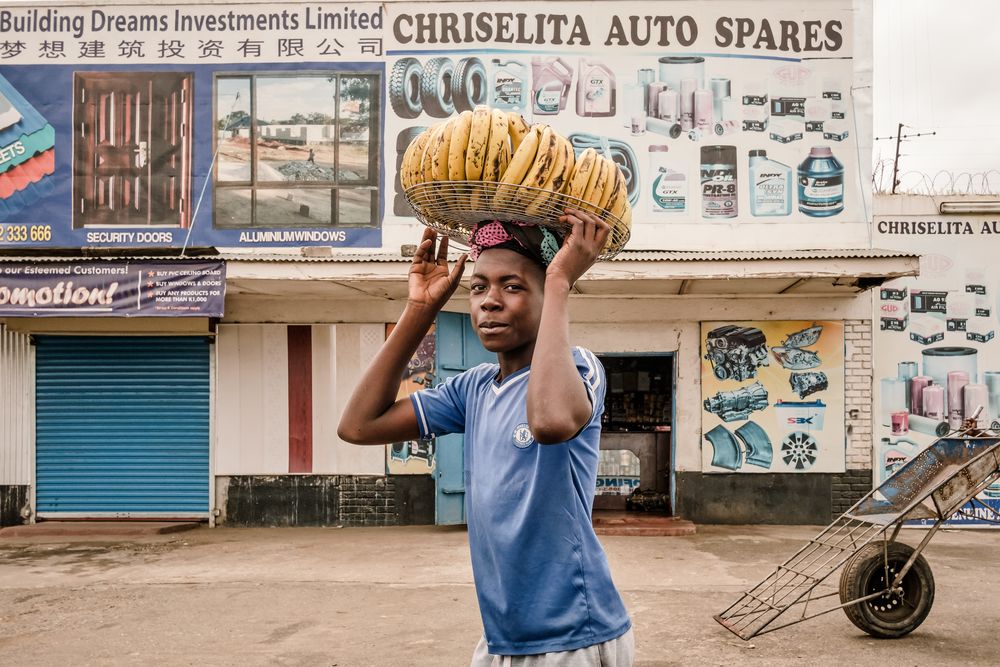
(541, 575)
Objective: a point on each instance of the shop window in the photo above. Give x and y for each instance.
(639, 395)
(617, 472)
(297, 150)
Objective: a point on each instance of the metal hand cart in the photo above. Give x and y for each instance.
(886, 587)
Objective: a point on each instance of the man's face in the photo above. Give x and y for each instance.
(506, 300)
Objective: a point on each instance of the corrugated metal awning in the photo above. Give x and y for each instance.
(342, 274)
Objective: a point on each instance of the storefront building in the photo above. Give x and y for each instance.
(739, 361)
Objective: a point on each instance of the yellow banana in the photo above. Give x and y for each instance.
(561, 168)
(520, 162)
(479, 136)
(583, 173)
(619, 197)
(439, 164)
(494, 163)
(518, 128)
(601, 183)
(459, 143)
(614, 185)
(427, 160)
(409, 171)
(545, 157)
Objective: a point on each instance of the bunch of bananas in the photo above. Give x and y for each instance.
(531, 165)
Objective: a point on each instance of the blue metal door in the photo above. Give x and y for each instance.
(458, 348)
(122, 427)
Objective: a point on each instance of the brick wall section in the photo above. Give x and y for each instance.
(858, 393)
(367, 501)
(849, 487)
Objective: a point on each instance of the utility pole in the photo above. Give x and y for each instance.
(895, 163)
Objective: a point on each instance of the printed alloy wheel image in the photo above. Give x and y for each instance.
(894, 613)
(799, 450)
(404, 88)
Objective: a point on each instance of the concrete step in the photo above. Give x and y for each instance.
(645, 524)
(97, 528)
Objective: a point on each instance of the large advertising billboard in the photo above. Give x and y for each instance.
(936, 358)
(284, 124)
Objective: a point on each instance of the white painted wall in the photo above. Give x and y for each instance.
(604, 325)
(17, 407)
(252, 398)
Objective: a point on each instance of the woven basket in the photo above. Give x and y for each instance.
(453, 208)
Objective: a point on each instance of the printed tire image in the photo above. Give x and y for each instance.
(404, 88)
(404, 138)
(435, 87)
(889, 615)
(401, 208)
(468, 84)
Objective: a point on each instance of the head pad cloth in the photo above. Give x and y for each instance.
(538, 244)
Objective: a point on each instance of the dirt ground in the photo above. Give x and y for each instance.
(404, 596)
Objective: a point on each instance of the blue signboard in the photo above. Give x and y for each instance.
(112, 289)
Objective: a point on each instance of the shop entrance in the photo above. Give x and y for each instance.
(122, 427)
(636, 466)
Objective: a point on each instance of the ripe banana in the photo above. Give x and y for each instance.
(408, 175)
(427, 159)
(615, 182)
(459, 143)
(618, 201)
(520, 162)
(479, 136)
(495, 161)
(583, 173)
(517, 127)
(561, 168)
(442, 149)
(545, 157)
(600, 185)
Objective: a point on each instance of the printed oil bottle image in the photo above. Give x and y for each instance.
(551, 79)
(718, 182)
(821, 183)
(510, 85)
(770, 185)
(595, 89)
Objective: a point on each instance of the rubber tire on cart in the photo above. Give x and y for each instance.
(468, 84)
(404, 87)
(435, 87)
(893, 615)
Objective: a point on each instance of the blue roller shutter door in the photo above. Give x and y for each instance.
(122, 426)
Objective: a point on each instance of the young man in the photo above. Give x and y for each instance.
(532, 436)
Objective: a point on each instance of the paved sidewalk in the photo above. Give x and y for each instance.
(404, 596)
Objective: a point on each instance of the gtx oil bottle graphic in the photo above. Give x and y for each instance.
(27, 153)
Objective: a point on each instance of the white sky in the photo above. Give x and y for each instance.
(937, 68)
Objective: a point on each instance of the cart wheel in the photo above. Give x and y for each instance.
(892, 614)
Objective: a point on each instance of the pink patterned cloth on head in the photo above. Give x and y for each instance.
(537, 243)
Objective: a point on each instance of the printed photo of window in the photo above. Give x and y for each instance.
(297, 150)
(132, 149)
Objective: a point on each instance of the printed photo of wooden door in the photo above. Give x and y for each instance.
(132, 149)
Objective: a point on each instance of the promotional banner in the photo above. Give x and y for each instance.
(284, 124)
(773, 396)
(112, 289)
(936, 360)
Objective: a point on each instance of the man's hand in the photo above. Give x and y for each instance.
(581, 248)
(430, 283)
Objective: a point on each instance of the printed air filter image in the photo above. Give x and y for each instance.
(27, 154)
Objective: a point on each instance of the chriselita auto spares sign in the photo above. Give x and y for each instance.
(284, 124)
